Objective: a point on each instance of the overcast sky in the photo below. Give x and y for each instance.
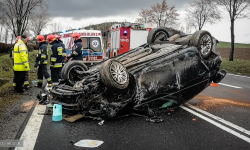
(80, 13)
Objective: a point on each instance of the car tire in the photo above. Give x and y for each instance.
(109, 71)
(69, 74)
(155, 34)
(201, 39)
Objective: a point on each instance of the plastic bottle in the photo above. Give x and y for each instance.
(57, 112)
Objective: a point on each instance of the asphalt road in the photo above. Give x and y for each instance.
(218, 118)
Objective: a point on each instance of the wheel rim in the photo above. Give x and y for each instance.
(206, 44)
(73, 77)
(118, 73)
(161, 36)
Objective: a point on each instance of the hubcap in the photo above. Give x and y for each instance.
(118, 73)
(206, 44)
(161, 36)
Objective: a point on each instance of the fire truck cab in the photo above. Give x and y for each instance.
(92, 41)
(126, 36)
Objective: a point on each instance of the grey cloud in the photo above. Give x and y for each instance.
(80, 9)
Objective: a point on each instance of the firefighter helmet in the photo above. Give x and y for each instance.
(18, 38)
(57, 37)
(76, 35)
(40, 38)
(51, 38)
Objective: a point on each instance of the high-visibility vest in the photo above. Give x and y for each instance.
(21, 57)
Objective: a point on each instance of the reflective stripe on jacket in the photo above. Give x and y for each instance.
(21, 57)
(57, 56)
(42, 54)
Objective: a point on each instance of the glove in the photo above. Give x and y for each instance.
(36, 65)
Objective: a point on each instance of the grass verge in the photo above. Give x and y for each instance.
(236, 45)
(8, 97)
(237, 66)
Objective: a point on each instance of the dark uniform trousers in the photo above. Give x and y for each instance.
(55, 74)
(42, 72)
(19, 78)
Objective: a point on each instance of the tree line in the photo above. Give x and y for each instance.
(198, 14)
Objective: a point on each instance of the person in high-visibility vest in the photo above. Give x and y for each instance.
(12, 58)
(26, 82)
(42, 61)
(21, 62)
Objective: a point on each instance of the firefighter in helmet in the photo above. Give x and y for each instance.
(56, 58)
(12, 57)
(42, 61)
(77, 48)
(58, 38)
(21, 63)
(26, 82)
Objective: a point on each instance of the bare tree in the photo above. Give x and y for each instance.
(145, 16)
(171, 17)
(201, 12)
(56, 27)
(17, 13)
(188, 28)
(39, 20)
(237, 9)
(161, 14)
(158, 12)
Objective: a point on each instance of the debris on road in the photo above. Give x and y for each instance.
(155, 119)
(49, 112)
(214, 85)
(72, 118)
(89, 143)
(101, 122)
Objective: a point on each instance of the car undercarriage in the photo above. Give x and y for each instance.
(159, 75)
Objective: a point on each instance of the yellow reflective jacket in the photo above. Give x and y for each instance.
(21, 57)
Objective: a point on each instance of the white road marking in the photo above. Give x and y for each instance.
(220, 119)
(238, 75)
(31, 130)
(230, 86)
(217, 124)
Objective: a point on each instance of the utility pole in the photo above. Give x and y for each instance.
(1, 34)
(6, 36)
(11, 38)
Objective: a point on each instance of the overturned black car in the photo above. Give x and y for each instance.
(161, 74)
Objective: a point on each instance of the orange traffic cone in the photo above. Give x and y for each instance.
(214, 84)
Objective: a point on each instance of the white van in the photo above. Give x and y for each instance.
(93, 47)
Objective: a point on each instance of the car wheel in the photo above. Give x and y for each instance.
(157, 35)
(69, 73)
(114, 75)
(203, 41)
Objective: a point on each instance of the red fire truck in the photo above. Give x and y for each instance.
(126, 36)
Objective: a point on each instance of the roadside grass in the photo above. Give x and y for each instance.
(228, 45)
(8, 97)
(237, 66)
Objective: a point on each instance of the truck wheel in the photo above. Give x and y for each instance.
(114, 75)
(157, 35)
(203, 41)
(69, 73)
